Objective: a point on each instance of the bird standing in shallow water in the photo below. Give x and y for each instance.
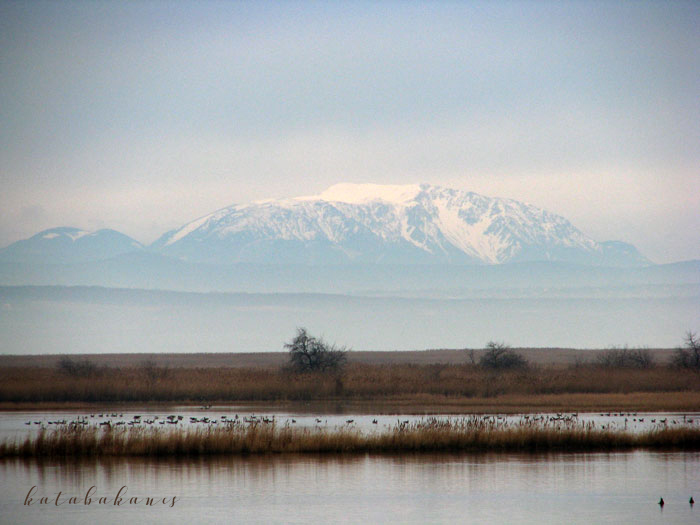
(661, 502)
(692, 501)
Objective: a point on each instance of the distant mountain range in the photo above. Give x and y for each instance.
(70, 245)
(375, 267)
(351, 224)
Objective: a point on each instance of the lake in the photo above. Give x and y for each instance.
(413, 488)
(409, 488)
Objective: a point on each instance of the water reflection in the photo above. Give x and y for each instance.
(407, 488)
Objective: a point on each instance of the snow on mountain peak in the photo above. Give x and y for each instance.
(363, 193)
(383, 223)
(66, 232)
(77, 235)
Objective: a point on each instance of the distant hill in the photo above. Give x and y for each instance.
(69, 245)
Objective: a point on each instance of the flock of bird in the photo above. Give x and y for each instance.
(618, 420)
(116, 419)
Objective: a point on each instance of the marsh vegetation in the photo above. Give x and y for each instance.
(500, 379)
(585, 385)
(474, 433)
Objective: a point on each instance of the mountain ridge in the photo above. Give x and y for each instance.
(370, 223)
(352, 224)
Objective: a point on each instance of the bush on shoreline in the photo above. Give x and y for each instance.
(310, 354)
(499, 356)
(688, 357)
(77, 367)
(625, 358)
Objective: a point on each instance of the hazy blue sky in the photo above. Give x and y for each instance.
(141, 116)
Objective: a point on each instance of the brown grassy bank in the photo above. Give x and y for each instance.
(469, 434)
(436, 387)
(358, 381)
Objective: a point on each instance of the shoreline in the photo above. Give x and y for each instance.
(417, 405)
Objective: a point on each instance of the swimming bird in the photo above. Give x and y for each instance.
(661, 502)
(692, 501)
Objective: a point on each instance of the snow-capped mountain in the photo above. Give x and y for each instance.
(68, 245)
(370, 223)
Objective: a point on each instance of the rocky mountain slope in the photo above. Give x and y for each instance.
(369, 223)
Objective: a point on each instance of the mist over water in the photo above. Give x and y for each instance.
(36, 321)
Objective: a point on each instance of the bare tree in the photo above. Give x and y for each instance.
(309, 354)
(688, 357)
(642, 358)
(499, 356)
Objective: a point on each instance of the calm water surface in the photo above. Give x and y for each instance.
(426, 488)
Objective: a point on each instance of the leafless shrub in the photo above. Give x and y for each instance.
(688, 357)
(625, 358)
(309, 354)
(499, 356)
(642, 358)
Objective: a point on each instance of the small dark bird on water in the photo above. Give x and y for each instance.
(661, 502)
(692, 501)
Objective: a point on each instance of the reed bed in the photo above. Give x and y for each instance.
(357, 382)
(471, 434)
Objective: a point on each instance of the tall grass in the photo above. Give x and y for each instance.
(468, 434)
(358, 382)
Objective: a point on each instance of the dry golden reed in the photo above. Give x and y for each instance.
(357, 382)
(471, 434)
